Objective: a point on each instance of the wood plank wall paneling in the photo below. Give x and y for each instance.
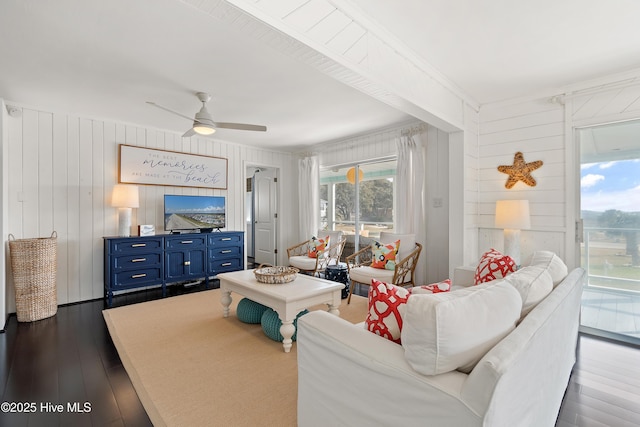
(61, 172)
(538, 129)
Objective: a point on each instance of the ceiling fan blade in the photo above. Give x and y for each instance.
(170, 111)
(189, 133)
(240, 126)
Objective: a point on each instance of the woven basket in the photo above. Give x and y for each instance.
(34, 266)
(275, 275)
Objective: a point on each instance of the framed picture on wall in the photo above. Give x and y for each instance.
(139, 165)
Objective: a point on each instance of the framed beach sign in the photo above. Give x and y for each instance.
(139, 165)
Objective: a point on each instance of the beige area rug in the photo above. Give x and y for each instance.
(192, 367)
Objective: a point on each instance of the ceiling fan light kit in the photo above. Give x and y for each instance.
(203, 129)
(203, 123)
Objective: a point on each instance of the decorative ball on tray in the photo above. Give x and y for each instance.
(275, 275)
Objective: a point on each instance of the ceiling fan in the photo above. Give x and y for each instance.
(203, 123)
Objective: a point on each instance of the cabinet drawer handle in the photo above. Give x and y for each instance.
(186, 242)
(139, 260)
(225, 239)
(139, 245)
(225, 252)
(226, 264)
(138, 276)
(187, 263)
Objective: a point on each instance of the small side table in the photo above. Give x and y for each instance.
(338, 273)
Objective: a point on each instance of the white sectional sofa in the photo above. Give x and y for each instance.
(348, 376)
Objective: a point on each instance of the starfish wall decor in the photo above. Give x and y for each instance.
(520, 171)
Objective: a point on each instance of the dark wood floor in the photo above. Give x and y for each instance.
(70, 359)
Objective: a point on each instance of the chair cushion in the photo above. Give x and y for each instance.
(365, 274)
(302, 262)
(407, 242)
(552, 262)
(533, 283)
(493, 265)
(453, 330)
(386, 308)
(384, 255)
(317, 246)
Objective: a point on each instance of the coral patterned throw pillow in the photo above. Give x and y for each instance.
(387, 303)
(493, 265)
(317, 246)
(384, 255)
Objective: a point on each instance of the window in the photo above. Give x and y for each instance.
(364, 217)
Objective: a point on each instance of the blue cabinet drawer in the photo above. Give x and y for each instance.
(140, 277)
(185, 243)
(220, 252)
(137, 261)
(221, 265)
(226, 239)
(135, 245)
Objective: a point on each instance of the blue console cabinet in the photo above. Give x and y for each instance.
(140, 261)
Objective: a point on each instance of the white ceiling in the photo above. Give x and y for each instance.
(104, 59)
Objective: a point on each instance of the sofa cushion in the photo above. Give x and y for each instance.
(384, 255)
(552, 262)
(534, 283)
(493, 265)
(453, 330)
(386, 308)
(365, 274)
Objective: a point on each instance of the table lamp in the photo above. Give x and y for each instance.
(124, 198)
(512, 216)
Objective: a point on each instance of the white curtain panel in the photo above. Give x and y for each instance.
(308, 196)
(410, 212)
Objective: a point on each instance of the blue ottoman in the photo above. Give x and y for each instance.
(249, 311)
(271, 324)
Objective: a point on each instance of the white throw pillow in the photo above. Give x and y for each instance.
(453, 330)
(534, 283)
(552, 262)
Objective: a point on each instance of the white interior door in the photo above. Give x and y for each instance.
(265, 216)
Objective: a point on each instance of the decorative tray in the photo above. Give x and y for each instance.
(277, 275)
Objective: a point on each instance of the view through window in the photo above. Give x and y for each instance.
(610, 210)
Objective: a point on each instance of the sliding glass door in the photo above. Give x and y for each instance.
(358, 200)
(610, 212)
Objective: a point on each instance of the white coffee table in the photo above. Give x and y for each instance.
(287, 299)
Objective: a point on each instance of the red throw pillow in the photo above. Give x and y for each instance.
(434, 288)
(387, 303)
(493, 265)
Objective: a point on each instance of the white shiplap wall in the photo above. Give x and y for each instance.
(61, 171)
(536, 129)
(543, 129)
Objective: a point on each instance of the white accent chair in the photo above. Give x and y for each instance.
(361, 272)
(299, 258)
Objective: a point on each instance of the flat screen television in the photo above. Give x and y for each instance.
(182, 212)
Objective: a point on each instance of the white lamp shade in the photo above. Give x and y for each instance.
(125, 196)
(513, 214)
